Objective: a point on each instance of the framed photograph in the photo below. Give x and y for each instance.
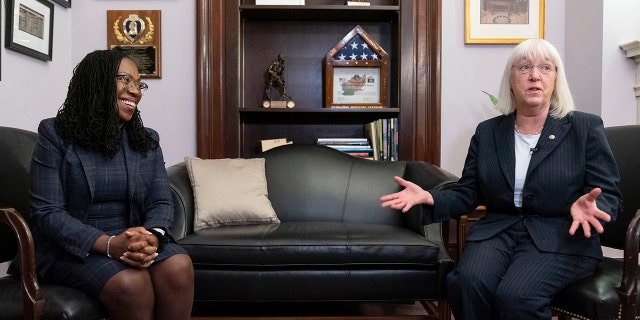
(64, 3)
(29, 27)
(503, 22)
(356, 73)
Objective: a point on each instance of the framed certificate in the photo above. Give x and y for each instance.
(30, 28)
(356, 85)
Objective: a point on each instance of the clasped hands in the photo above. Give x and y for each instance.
(584, 211)
(136, 247)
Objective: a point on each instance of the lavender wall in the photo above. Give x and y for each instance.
(31, 89)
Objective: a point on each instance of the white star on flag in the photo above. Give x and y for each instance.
(356, 49)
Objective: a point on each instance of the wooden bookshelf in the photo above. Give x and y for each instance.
(237, 40)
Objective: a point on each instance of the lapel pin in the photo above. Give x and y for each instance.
(552, 137)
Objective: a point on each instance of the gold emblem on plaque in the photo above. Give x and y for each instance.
(133, 28)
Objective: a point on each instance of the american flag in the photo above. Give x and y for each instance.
(356, 49)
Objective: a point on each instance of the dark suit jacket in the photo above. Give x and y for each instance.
(62, 189)
(572, 158)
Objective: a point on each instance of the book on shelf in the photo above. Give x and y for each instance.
(357, 147)
(357, 3)
(343, 141)
(371, 131)
(272, 143)
(280, 2)
(380, 141)
(347, 148)
(360, 154)
(383, 134)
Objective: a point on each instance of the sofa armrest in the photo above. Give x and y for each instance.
(428, 176)
(182, 195)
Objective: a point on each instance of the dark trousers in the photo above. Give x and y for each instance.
(507, 277)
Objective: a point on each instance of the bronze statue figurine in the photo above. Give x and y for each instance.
(275, 79)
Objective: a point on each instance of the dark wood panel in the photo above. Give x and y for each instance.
(304, 47)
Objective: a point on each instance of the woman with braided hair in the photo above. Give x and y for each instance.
(101, 208)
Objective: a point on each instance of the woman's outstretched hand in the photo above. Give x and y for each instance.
(585, 213)
(403, 200)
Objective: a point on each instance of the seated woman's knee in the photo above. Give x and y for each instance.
(468, 279)
(177, 269)
(130, 283)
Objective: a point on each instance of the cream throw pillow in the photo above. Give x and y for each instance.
(229, 192)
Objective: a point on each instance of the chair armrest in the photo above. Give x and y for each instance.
(32, 296)
(463, 226)
(182, 195)
(628, 286)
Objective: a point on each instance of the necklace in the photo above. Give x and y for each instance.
(528, 134)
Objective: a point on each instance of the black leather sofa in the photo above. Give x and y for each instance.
(334, 243)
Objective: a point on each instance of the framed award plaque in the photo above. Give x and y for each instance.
(137, 33)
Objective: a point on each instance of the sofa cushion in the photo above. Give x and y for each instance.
(317, 183)
(229, 192)
(308, 243)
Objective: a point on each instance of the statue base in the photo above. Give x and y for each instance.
(278, 104)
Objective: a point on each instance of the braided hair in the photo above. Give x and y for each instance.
(89, 117)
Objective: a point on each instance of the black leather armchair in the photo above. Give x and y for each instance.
(23, 297)
(612, 292)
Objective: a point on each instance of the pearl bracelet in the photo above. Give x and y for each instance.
(109, 245)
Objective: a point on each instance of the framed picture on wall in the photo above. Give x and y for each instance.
(503, 22)
(64, 3)
(29, 28)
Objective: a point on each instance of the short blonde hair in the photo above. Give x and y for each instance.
(561, 98)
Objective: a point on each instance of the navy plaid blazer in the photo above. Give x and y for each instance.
(61, 193)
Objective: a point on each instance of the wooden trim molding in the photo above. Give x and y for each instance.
(427, 17)
(210, 30)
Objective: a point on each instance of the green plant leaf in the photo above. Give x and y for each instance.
(494, 100)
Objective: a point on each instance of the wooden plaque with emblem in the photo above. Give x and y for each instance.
(137, 33)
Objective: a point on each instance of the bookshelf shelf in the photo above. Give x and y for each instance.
(316, 115)
(385, 111)
(318, 13)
